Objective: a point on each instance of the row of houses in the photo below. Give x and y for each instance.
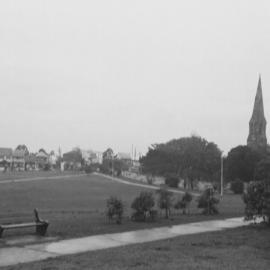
(20, 159)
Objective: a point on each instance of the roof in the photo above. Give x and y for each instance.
(5, 152)
(42, 154)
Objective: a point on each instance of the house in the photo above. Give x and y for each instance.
(52, 159)
(91, 157)
(18, 159)
(31, 162)
(5, 158)
(42, 159)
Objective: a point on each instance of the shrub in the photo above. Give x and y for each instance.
(184, 203)
(237, 186)
(208, 202)
(165, 200)
(115, 209)
(88, 169)
(172, 181)
(142, 205)
(257, 200)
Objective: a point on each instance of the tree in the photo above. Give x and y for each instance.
(184, 203)
(192, 158)
(207, 201)
(115, 208)
(241, 163)
(165, 200)
(143, 205)
(172, 181)
(262, 170)
(257, 200)
(237, 186)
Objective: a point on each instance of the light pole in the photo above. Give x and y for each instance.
(221, 175)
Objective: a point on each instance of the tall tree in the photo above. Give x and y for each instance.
(241, 163)
(189, 157)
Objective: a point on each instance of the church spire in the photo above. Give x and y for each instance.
(257, 124)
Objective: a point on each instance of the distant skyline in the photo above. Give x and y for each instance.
(99, 74)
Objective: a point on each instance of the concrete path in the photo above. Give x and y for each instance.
(126, 182)
(41, 178)
(38, 252)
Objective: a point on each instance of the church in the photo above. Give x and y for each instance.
(257, 125)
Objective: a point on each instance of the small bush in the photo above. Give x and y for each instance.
(142, 205)
(237, 186)
(208, 202)
(165, 200)
(88, 169)
(172, 181)
(257, 200)
(184, 203)
(115, 209)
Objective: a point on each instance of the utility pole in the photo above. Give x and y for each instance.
(221, 175)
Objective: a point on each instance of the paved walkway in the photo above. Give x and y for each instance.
(38, 252)
(122, 181)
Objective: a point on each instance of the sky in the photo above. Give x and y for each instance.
(112, 73)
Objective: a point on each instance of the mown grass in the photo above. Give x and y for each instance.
(75, 206)
(245, 248)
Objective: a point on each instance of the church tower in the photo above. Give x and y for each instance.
(257, 124)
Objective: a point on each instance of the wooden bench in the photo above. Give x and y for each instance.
(41, 225)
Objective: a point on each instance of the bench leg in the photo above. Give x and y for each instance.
(42, 229)
(1, 232)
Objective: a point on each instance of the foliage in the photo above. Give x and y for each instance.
(47, 167)
(189, 157)
(241, 163)
(115, 208)
(208, 202)
(237, 186)
(262, 170)
(88, 169)
(257, 200)
(172, 181)
(165, 200)
(143, 205)
(184, 202)
(119, 166)
(106, 166)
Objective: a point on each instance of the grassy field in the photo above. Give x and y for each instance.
(246, 248)
(75, 206)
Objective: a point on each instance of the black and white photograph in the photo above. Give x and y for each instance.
(134, 135)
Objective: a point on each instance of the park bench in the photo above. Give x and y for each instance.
(41, 225)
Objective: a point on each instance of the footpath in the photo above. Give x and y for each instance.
(12, 255)
(131, 183)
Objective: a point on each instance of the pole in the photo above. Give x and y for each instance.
(221, 176)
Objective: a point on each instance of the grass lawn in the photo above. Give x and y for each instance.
(75, 206)
(243, 248)
(32, 174)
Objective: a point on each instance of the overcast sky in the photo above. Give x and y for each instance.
(114, 73)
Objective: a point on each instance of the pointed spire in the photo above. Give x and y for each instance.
(257, 124)
(258, 110)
